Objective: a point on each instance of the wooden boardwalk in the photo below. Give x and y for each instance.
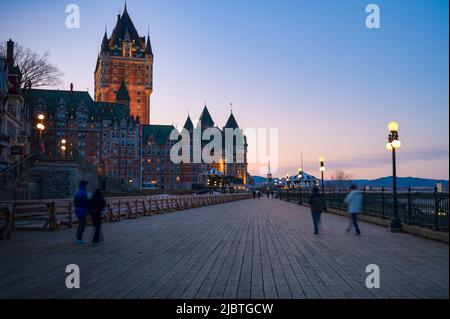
(246, 249)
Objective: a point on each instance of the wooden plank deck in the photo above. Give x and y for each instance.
(245, 249)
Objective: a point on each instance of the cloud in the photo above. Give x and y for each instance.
(376, 160)
(380, 159)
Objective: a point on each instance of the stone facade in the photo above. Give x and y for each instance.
(14, 125)
(126, 59)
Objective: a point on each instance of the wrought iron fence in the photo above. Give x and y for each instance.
(428, 210)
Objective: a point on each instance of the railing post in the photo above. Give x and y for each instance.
(409, 204)
(382, 202)
(364, 201)
(339, 199)
(436, 207)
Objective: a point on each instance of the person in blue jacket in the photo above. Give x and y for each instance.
(81, 203)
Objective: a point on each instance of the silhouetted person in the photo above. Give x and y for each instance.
(96, 205)
(267, 194)
(317, 204)
(81, 203)
(254, 194)
(273, 193)
(259, 195)
(354, 202)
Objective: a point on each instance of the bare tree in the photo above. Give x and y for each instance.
(35, 69)
(340, 180)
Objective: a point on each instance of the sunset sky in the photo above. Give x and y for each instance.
(309, 68)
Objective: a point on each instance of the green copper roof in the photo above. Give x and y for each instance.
(73, 100)
(161, 133)
(53, 97)
(124, 27)
(231, 123)
(188, 125)
(148, 46)
(206, 118)
(122, 94)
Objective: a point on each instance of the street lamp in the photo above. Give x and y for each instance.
(322, 169)
(40, 125)
(393, 144)
(300, 182)
(63, 148)
(288, 183)
(40, 128)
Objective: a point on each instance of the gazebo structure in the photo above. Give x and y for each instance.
(215, 179)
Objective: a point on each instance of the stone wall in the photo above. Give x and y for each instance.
(59, 180)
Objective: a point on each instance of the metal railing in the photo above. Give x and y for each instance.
(17, 171)
(429, 210)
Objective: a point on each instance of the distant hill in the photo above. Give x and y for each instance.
(259, 180)
(415, 182)
(402, 182)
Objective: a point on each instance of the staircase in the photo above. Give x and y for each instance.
(15, 180)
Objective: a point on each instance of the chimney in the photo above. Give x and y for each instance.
(71, 87)
(10, 55)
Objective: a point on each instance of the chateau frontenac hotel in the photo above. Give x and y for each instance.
(112, 130)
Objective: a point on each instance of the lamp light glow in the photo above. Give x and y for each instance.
(393, 126)
(396, 144)
(389, 146)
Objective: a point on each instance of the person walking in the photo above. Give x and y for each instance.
(354, 203)
(254, 194)
(81, 203)
(317, 204)
(259, 194)
(96, 205)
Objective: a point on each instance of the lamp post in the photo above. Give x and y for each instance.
(322, 169)
(300, 182)
(393, 144)
(276, 188)
(63, 148)
(40, 125)
(288, 184)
